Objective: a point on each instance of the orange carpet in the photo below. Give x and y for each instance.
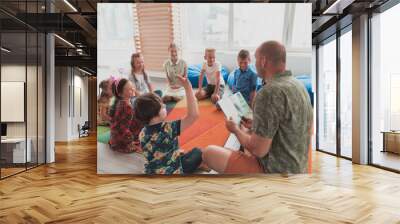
(209, 129)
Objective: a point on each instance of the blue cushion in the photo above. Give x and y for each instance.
(230, 80)
(305, 79)
(194, 73)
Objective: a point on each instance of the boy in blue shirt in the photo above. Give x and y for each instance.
(245, 80)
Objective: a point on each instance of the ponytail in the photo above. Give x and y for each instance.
(103, 85)
(117, 88)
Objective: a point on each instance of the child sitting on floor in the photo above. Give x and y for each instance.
(159, 138)
(215, 82)
(244, 79)
(103, 102)
(125, 128)
(139, 76)
(174, 67)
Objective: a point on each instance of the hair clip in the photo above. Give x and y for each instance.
(116, 83)
(113, 78)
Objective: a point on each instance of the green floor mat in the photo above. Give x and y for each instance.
(103, 134)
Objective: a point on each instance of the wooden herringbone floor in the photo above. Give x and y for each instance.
(70, 191)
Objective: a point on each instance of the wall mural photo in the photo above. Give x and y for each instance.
(216, 88)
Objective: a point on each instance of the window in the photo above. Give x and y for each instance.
(256, 23)
(346, 94)
(22, 65)
(115, 29)
(207, 24)
(385, 89)
(394, 101)
(327, 97)
(314, 89)
(299, 38)
(334, 95)
(116, 23)
(233, 26)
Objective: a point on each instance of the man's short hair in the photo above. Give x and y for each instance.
(274, 51)
(243, 54)
(147, 106)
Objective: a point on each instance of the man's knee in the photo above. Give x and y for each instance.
(208, 151)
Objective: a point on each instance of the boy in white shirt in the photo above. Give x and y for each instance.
(215, 82)
(173, 68)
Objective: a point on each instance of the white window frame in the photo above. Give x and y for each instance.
(231, 48)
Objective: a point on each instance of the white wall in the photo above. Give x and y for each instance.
(61, 103)
(67, 80)
(82, 83)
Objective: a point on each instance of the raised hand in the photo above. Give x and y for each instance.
(184, 81)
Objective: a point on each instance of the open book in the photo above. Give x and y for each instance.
(235, 106)
(232, 143)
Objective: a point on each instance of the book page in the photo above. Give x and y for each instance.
(229, 109)
(232, 143)
(241, 105)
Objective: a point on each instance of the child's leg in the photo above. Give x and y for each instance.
(215, 99)
(221, 91)
(191, 160)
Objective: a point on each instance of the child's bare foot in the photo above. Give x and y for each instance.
(204, 167)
